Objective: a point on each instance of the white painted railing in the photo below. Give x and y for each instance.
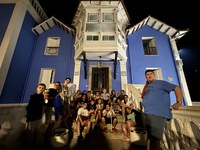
(183, 131)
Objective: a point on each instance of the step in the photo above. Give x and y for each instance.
(109, 133)
(112, 138)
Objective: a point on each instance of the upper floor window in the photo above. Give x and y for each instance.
(149, 46)
(93, 17)
(108, 38)
(108, 27)
(108, 17)
(158, 73)
(92, 27)
(92, 38)
(52, 46)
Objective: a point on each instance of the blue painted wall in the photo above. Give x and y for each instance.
(63, 63)
(16, 78)
(139, 62)
(5, 14)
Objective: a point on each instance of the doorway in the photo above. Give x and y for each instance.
(100, 79)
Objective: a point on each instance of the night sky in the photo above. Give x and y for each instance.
(184, 15)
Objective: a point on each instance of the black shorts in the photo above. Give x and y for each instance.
(108, 120)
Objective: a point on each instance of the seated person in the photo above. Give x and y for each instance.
(126, 102)
(83, 120)
(129, 122)
(98, 111)
(91, 108)
(109, 117)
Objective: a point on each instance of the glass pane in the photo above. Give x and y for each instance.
(92, 17)
(53, 42)
(108, 38)
(111, 38)
(108, 27)
(108, 17)
(95, 38)
(89, 38)
(92, 27)
(105, 38)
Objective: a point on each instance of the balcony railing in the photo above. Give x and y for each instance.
(181, 133)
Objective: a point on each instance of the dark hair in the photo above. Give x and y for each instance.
(58, 82)
(68, 78)
(52, 92)
(42, 84)
(149, 70)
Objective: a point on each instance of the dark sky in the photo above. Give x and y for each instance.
(184, 15)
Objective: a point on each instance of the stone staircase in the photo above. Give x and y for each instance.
(109, 133)
(112, 138)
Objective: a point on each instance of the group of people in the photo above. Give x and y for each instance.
(99, 109)
(47, 110)
(87, 108)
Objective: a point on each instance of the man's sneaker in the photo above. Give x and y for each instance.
(114, 129)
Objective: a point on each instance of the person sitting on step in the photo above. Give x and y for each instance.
(109, 117)
(129, 122)
(83, 120)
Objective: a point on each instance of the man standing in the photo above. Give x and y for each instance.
(156, 102)
(68, 91)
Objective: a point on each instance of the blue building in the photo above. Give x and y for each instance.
(102, 50)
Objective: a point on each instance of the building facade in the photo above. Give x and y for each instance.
(102, 50)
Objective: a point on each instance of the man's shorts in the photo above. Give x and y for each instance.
(155, 125)
(108, 120)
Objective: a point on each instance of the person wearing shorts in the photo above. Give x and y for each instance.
(157, 107)
(83, 120)
(109, 117)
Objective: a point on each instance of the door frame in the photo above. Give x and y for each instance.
(109, 76)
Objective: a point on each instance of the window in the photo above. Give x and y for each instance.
(92, 27)
(149, 46)
(92, 38)
(108, 17)
(52, 46)
(47, 76)
(93, 17)
(158, 73)
(108, 27)
(108, 38)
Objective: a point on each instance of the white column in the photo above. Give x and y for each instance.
(77, 68)
(10, 39)
(179, 65)
(123, 74)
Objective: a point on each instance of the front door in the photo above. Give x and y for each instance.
(100, 79)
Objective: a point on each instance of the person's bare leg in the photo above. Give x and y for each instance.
(154, 144)
(103, 120)
(96, 119)
(99, 114)
(115, 122)
(78, 128)
(88, 127)
(148, 144)
(123, 112)
(124, 129)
